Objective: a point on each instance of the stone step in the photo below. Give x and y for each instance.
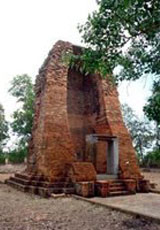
(20, 180)
(45, 184)
(116, 184)
(62, 190)
(51, 185)
(117, 181)
(16, 185)
(40, 178)
(28, 177)
(28, 188)
(69, 190)
(45, 192)
(117, 188)
(38, 190)
(118, 193)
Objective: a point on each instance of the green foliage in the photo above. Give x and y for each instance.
(22, 89)
(141, 132)
(2, 158)
(3, 128)
(152, 159)
(17, 156)
(152, 109)
(122, 33)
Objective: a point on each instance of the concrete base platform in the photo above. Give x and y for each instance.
(143, 204)
(106, 177)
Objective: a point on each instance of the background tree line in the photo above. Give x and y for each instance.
(22, 89)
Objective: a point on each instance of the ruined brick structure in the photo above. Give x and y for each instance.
(71, 108)
(68, 107)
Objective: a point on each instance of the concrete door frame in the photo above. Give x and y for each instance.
(112, 153)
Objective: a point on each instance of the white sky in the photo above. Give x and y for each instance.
(28, 30)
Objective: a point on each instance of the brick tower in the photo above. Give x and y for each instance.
(78, 131)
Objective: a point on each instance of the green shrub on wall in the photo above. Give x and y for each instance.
(17, 156)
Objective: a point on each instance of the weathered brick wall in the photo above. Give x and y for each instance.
(128, 160)
(68, 107)
(51, 144)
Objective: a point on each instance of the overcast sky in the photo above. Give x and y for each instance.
(28, 30)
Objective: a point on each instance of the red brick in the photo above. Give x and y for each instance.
(85, 189)
(68, 107)
(102, 188)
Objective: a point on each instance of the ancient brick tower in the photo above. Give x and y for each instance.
(70, 106)
(78, 131)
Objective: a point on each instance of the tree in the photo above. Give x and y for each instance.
(152, 159)
(122, 33)
(3, 128)
(141, 132)
(22, 89)
(152, 108)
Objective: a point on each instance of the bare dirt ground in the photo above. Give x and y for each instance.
(12, 168)
(20, 211)
(153, 176)
(8, 170)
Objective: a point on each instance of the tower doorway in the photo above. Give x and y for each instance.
(102, 151)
